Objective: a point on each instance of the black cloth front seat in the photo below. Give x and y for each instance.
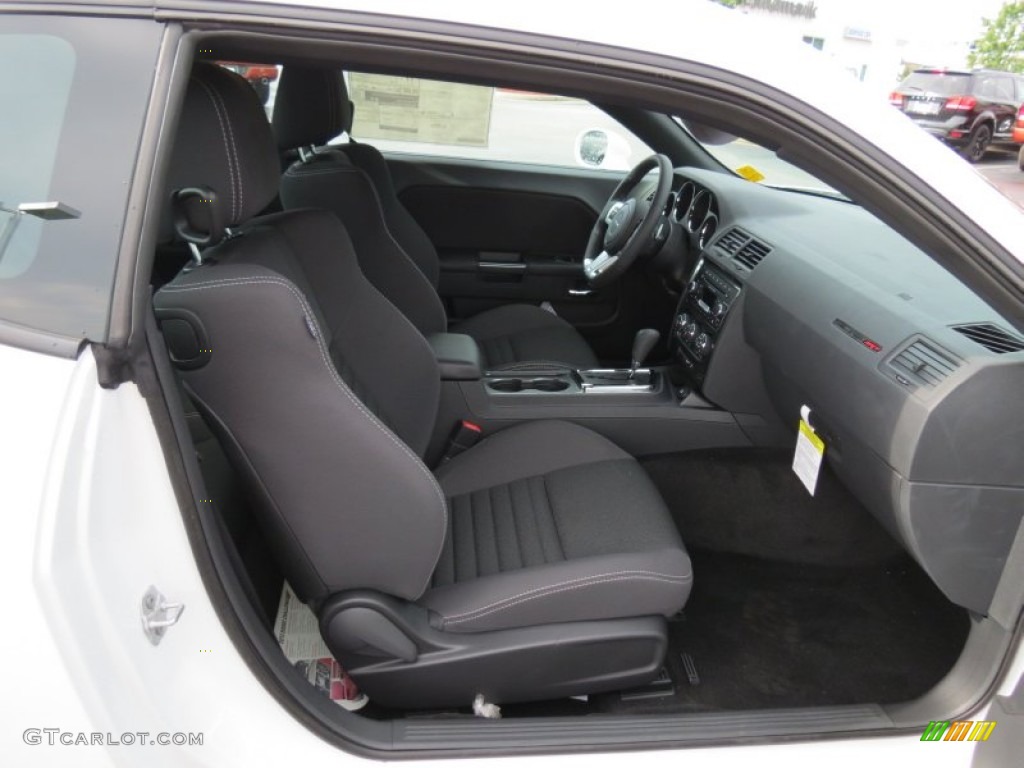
(540, 562)
(352, 180)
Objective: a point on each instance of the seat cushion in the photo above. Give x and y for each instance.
(518, 335)
(550, 522)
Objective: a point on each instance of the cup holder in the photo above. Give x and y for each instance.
(542, 384)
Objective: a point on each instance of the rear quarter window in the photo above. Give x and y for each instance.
(73, 98)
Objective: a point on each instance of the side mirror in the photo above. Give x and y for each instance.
(598, 148)
(592, 147)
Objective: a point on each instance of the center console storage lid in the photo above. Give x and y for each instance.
(458, 356)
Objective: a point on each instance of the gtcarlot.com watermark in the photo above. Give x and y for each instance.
(55, 736)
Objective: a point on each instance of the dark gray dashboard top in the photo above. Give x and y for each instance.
(848, 265)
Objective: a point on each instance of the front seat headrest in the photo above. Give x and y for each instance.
(311, 107)
(225, 145)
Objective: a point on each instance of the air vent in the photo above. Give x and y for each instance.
(925, 362)
(991, 337)
(732, 240)
(750, 255)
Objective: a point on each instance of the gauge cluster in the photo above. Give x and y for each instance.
(696, 210)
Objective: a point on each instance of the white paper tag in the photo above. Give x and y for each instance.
(810, 449)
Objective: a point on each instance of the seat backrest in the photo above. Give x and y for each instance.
(322, 393)
(353, 181)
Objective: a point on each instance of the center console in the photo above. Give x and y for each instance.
(595, 381)
(702, 311)
(640, 409)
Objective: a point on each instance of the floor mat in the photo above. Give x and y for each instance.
(748, 501)
(768, 634)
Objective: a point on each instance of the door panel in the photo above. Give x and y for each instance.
(510, 233)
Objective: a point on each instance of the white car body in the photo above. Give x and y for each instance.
(91, 520)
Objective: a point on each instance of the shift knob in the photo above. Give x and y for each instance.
(644, 342)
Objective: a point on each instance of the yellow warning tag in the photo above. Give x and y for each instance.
(810, 449)
(750, 173)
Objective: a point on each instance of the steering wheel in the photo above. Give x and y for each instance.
(625, 226)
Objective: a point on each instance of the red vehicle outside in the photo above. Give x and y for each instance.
(259, 76)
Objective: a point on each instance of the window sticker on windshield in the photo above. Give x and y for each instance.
(810, 449)
(750, 173)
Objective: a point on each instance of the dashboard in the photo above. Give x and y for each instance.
(791, 300)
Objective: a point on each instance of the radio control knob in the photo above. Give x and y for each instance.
(690, 331)
(718, 309)
(704, 343)
(681, 320)
(693, 287)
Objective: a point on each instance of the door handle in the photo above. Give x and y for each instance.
(580, 291)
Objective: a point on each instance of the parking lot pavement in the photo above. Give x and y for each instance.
(1002, 172)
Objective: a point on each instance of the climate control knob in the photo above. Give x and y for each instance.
(703, 344)
(717, 309)
(690, 331)
(681, 321)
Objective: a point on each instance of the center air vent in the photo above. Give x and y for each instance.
(746, 251)
(732, 240)
(925, 362)
(992, 337)
(750, 255)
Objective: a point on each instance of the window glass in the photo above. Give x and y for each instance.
(752, 161)
(938, 83)
(1003, 89)
(73, 105)
(34, 104)
(985, 89)
(430, 117)
(262, 78)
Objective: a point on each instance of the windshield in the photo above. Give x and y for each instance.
(753, 162)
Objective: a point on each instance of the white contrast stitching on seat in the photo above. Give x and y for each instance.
(303, 170)
(563, 586)
(228, 154)
(234, 151)
(229, 282)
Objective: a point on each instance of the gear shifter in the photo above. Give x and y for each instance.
(644, 342)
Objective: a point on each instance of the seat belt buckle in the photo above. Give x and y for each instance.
(465, 435)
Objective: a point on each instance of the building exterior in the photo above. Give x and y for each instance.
(876, 41)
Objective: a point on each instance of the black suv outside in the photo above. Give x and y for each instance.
(970, 110)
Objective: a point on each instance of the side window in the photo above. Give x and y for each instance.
(1002, 90)
(262, 78)
(998, 89)
(430, 117)
(73, 106)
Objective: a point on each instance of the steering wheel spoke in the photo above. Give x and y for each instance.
(594, 268)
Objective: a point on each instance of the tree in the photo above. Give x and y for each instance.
(1002, 44)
